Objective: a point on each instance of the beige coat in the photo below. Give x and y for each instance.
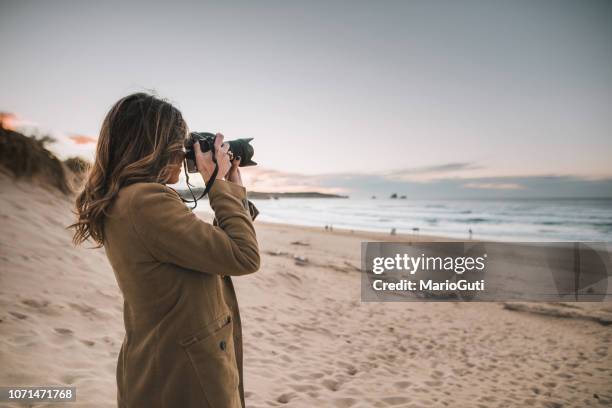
(183, 343)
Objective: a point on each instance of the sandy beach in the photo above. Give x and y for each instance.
(312, 344)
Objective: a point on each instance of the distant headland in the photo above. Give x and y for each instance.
(261, 195)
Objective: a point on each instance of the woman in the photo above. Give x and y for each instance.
(183, 344)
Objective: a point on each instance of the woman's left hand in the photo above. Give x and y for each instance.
(234, 173)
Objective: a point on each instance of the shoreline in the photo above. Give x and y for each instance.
(370, 235)
(500, 221)
(366, 234)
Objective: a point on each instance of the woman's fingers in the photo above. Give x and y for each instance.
(221, 148)
(225, 160)
(198, 151)
(233, 168)
(234, 173)
(218, 141)
(204, 160)
(199, 156)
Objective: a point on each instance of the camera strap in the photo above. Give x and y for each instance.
(213, 177)
(209, 183)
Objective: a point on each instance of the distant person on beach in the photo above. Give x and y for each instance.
(183, 342)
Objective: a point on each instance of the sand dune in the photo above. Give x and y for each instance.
(309, 341)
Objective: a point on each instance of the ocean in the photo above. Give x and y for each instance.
(500, 220)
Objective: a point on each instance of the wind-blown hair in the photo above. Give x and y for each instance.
(141, 140)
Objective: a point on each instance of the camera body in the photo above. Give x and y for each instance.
(238, 148)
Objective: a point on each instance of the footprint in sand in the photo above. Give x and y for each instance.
(304, 388)
(331, 385)
(108, 340)
(23, 341)
(68, 379)
(286, 397)
(42, 306)
(553, 404)
(437, 374)
(18, 315)
(63, 331)
(37, 304)
(316, 376)
(550, 384)
(83, 308)
(395, 400)
(344, 402)
(402, 384)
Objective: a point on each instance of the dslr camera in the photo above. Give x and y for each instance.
(237, 148)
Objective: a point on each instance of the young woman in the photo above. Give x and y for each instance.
(183, 344)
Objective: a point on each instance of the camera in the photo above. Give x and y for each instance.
(237, 148)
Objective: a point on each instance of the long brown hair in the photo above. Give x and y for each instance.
(141, 140)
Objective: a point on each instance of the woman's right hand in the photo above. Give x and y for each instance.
(204, 161)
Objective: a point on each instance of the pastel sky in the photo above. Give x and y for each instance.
(425, 98)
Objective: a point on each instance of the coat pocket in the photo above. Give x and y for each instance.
(211, 352)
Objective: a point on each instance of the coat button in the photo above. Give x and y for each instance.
(222, 345)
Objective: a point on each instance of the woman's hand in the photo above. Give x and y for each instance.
(204, 161)
(234, 173)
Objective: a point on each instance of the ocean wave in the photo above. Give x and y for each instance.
(500, 220)
(476, 220)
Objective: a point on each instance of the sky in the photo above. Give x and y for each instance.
(424, 98)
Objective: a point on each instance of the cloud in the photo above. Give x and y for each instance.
(382, 185)
(7, 120)
(82, 139)
(435, 172)
(494, 186)
(11, 121)
(270, 180)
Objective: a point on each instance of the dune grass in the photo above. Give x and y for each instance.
(27, 157)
